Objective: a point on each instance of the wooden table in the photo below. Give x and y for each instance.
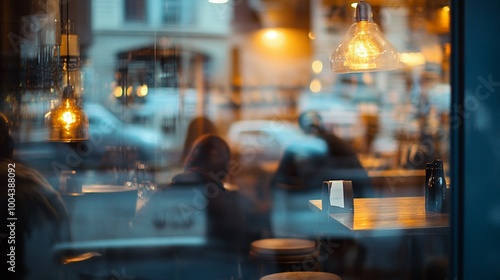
(389, 215)
(392, 216)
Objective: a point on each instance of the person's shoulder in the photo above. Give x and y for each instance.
(28, 177)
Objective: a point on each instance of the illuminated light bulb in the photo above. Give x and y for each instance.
(317, 66)
(142, 91)
(315, 86)
(68, 122)
(68, 118)
(118, 92)
(364, 47)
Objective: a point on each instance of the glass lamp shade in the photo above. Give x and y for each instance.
(364, 47)
(68, 122)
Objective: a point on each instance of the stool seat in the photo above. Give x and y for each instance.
(283, 246)
(302, 275)
(275, 255)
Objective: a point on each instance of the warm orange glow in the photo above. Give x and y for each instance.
(68, 118)
(412, 58)
(68, 122)
(443, 17)
(129, 90)
(281, 42)
(364, 48)
(273, 38)
(440, 22)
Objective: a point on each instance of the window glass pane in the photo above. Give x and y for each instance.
(213, 125)
(178, 12)
(135, 11)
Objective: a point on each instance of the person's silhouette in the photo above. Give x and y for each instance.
(35, 213)
(197, 204)
(320, 156)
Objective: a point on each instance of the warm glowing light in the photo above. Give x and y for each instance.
(142, 90)
(273, 39)
(68, 122)
(364, 49)
(443, 17)
(68, 118)
(271, 34)
(129, 90)
(315, 86)
(440, 20)
(118, 92)
(280, 43)
(354, 5)
(412, 58)
(311, 36)
(317, 66)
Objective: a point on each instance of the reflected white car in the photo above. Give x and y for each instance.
(261, 142)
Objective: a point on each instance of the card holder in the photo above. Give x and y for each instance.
(337, 196)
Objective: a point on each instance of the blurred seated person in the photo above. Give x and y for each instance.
(318, 157)
(197, 127)
(252, 183)
(41, 219)
(196, 203)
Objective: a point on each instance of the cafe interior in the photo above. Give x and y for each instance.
(250, 139)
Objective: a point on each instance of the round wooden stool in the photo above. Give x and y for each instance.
(302, 275)
(276, 255)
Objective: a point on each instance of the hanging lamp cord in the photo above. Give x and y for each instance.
(67, 41)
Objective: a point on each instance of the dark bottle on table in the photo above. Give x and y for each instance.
(436, 189)
(428, 173)
(440, 179)
(430, 190)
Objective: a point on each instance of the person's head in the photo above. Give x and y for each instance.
(210, 153)
(6, 141)
(197, 127)
(310, 122)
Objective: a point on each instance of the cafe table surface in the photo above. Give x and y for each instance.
(389, 215)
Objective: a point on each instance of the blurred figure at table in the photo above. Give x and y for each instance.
(196, 203)
(252, 183)
(318, 157)
(35, 215)
(197, 127)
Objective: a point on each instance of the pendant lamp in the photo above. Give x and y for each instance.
(364, 47)
(68, 122)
